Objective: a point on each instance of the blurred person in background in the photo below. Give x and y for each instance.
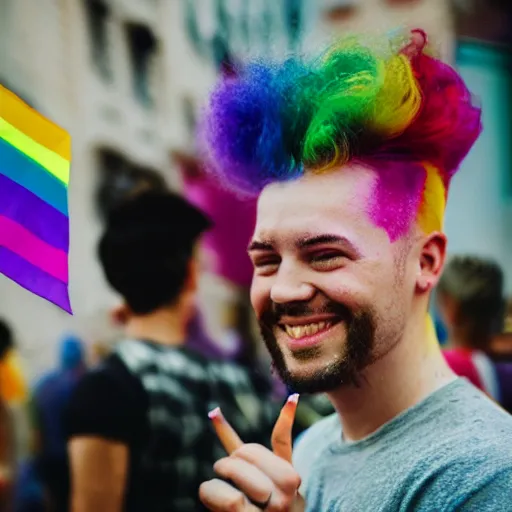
(110, 195)
(138, 428)
(49, 400)
(470, 299)
(501, 345)
(13, 398)
(7, 458)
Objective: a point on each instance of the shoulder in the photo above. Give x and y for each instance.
(107, 402)
(312, 442)
(480, 475)
(472, 425)
(112, 376)
(469, 464)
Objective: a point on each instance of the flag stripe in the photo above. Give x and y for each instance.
(38, 217)
(22, 242)
(34, 279)
(24, 171)
(34, 125)
(52, 162)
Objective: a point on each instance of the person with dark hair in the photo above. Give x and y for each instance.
(50, 397)
(470, 295)
(471, 301)
(138, 427)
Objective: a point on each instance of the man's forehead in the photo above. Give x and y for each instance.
(316, 203)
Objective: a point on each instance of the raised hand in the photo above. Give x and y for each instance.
(264, 479)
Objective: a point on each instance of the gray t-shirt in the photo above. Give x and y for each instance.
(451, 452)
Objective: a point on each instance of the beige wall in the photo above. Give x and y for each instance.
(49, 62)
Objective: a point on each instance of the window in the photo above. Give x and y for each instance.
(119, 179)
(97, 15)
(142, 48)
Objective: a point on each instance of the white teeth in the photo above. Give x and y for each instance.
(300, 331)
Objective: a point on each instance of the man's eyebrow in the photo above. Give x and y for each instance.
(328, 239)
(256, 245)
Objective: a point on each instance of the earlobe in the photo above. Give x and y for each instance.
(423, 284)
(432, 258)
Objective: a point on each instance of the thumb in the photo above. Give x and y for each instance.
(282, 434)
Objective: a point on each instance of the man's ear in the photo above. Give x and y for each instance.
(431, 262)
(120, 315)
(192, 281)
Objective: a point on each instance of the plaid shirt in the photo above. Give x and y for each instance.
(181, 446)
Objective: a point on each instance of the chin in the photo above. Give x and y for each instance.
(318, 376)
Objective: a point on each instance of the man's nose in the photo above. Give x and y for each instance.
(290, 286)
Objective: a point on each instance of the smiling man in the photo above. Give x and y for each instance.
(352, 154)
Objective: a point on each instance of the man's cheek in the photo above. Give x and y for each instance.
(260, 295)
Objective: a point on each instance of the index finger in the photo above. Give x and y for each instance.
(225, 432)
(282, 434)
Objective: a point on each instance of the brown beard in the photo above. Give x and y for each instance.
(358, 350)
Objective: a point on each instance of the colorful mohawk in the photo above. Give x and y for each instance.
(386, 105)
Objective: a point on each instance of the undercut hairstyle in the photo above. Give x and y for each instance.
(147, 246)
(476, 285)
(384, 103)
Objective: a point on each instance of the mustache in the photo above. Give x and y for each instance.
(274, 311)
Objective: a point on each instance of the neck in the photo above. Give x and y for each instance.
(164, 326)
(405, 376)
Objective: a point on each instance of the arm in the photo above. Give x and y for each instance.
(98, 471)
(104, 419)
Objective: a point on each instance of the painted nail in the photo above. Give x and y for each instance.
(215, 413)
(294, 399)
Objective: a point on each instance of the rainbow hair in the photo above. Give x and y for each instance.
(387, 105)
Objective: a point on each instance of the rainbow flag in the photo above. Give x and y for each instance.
(35, 157)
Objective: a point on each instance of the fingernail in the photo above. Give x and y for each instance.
(293, 399)
(215, 413)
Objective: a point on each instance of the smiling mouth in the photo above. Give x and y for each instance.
(303, 331)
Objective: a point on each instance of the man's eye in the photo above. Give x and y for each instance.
(266, 265)
(327, 260)
(326, 256)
